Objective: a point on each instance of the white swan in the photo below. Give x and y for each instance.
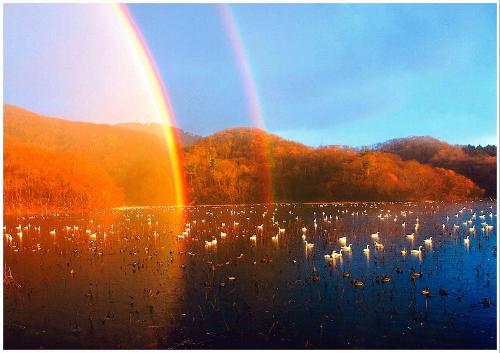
(417, 252)
(347, 248)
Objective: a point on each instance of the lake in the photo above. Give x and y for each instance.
(254, 276)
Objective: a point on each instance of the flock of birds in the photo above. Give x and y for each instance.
(485, 229)
(277, 231)
(375, 237)
(376, 242)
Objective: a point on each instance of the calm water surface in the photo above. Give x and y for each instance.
(155, 277)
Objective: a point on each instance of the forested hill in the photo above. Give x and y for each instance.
(134, 163)
(475, 162)
(224, 168)
(58, 165)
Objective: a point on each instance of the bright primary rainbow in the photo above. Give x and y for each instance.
(159, 97)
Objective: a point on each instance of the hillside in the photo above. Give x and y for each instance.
(52, 164)
(235, 166)
(476, 163)
(226, 167)
(185, 138)
(40, 180)
(136, 162)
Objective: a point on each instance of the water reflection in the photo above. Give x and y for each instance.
(93, 281)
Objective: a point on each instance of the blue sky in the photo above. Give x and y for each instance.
(326, 74)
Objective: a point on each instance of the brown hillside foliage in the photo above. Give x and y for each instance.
(42, 181)
(224, 168)
(232, 166)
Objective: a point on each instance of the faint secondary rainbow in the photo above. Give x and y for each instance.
(158, 95)
(243, 63)
(251, 93)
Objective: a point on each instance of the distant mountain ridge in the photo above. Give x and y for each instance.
(185, 138)
(53, 164)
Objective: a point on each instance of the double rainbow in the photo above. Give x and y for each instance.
(164, 111)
